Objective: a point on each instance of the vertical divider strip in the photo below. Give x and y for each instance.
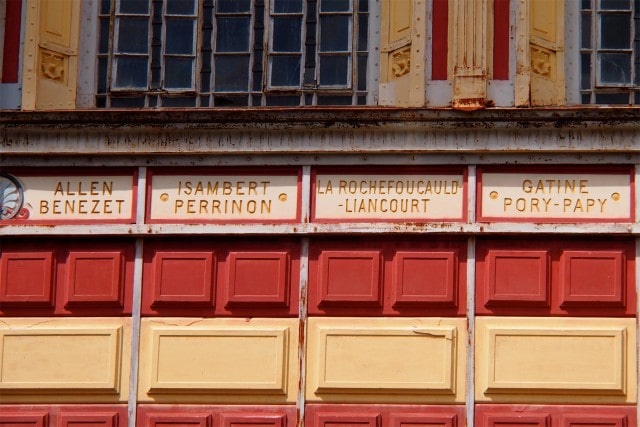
(137, 296)
(636, 196)
(304, 280)
(471, 299)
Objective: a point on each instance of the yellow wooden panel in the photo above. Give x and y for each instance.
(400, 18)
(390, 360)
(71, 359)
(55, 22)
(555, 360)
(219, 360)
(543, 19)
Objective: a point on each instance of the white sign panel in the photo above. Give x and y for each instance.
(212, 198)
(556, 196)
(399, 197)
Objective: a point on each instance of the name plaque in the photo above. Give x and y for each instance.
(389, 197)
(36, 198)
(556, 197)
(223, 198)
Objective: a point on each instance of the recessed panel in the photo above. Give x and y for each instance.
(252, 420)
(95, 419)
(178, 418)
(425, 419)
(580, 359)
(350, 277)
(258, 278)
(218, 359)
(95, 278)
(425, 278)
(23, 419)
(384, 415)
(183, 278)
(593, 277)
(83, 360)
(511, 420)
(586, 420)
(556, 415)
(517, 277)
(355, 419)
(26, 278)
(351, 359)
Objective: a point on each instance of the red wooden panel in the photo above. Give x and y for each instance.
(515, 420)
(517, 277)
(179, 419)
(183, 278)
(590, 277)
(425, 278)
(11, 55)
(350, 277)
(418, 419)
(501, 39)
(95, 277)
(347, 419)
(252, 420)
(258, 278)
(490, 415)
(440, 39)
(26, 278)
(88, 419)
(26, 418)
(589, 420)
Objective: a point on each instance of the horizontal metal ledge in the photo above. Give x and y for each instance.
(304, 229)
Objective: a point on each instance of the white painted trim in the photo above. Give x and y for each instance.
(302, 316)
(471, 316)
(572, 51)
(135, 332)
(87, 59)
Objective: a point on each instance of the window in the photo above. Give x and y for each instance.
(207, 53)
(610, 51)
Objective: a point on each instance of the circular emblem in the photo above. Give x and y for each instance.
(10, 197)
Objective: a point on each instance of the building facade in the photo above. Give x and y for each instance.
(426, 208)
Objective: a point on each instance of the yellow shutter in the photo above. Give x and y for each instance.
(402, 52)
(51, 66)
(546, 52)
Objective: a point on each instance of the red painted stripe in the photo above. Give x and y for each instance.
(440, 39)
(501, 39)
(10, 63)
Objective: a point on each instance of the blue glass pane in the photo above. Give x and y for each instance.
(287, 34)
(179, 36)
(585, 30)
(615, 4)
(178, 73)
(615, 68)
(134, 6)
(612, 98)
(585, 4)
(232, 34)
(283, 101)
(362, 72)
(615, 31)
(334, 71)
(585, 68)
(102, 75)
(363, 32)
(131, 72)
(103, 44)
(133, 36)
(179, 102)
(181, 7)
(335, 5)
(285, 71)
(231, 73)
(128, 102)
(363, 5)
(335, 100)
(105, 7)
(287, 6)
(334, 33)
(233, 6)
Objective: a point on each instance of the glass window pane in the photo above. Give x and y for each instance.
(133, 35)
(335, 5)
(363, 32)
(585, 4)
(585, 30)
(233, 6)
(287, 6)
(181, 7)
(585, 98)
(283, 101)
(131, 72)
(178, 73)
(231, 73)
(615, 4)
(615, 68)
(615, 31)
(287, 34)
(134, 6)
(612, 98)
(585, 68)
(105, 7)
(362, 72)
(128, 102)
(335, 100)
(103, 45)
(231, 101)
(102, 74)
(285, 71)
(334, 33)
(334, 71)
(363, 5)
(232, 34)
(179, 36)
(182, 101)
